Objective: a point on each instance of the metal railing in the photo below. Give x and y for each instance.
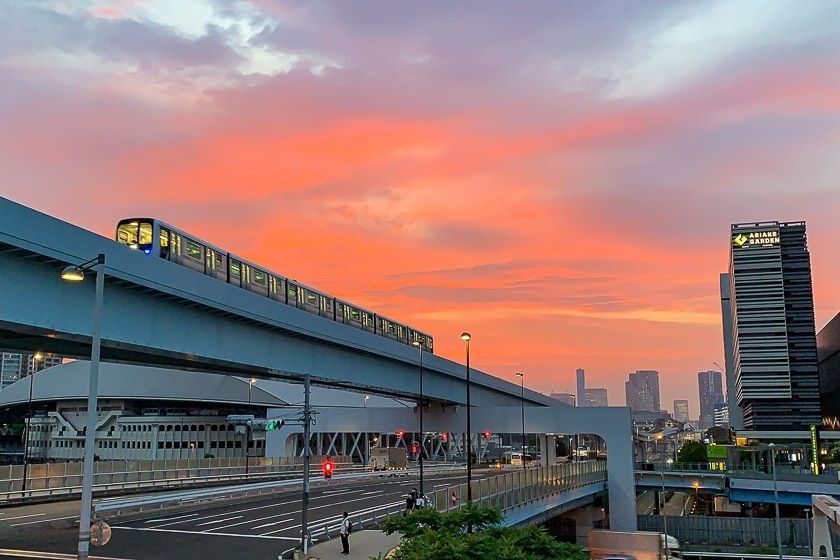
(507, 492)
(60, 480)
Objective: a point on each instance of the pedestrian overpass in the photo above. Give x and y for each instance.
(161, 314)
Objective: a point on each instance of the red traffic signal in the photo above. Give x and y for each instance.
(415, 449)
(400, 433)
(328, 468)
(444, 437)
(487, 434)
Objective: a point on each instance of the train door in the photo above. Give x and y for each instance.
(163, 237)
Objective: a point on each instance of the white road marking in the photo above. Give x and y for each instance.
(171, 518)
(178, 531)
(374, 492)
(24, 516)
(49, 555)
(220, 521)
(43, 521)
(272, 524)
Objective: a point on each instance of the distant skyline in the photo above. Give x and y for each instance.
(556, 178)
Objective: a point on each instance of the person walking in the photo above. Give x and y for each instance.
(344, 532)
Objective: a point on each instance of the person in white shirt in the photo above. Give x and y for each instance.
(344, 532)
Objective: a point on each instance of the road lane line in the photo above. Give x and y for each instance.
(171, 518)
(49, 555)
(24, 516)
(271, 524)
(219, 521)
(43, 521)
(374, 492)
(178, 531)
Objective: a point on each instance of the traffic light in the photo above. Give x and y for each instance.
(328, 469)
(487, 434)
(274, 424)
(400, 434)
(444, 437)
(414, 448)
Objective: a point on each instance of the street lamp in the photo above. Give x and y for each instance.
(248, 427)
(776, 499)
(466, 338)
(37, 356)
(366, 400)
(77, 274)
(521, 377)
(420, 458)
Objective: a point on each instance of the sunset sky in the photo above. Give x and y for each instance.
(557, 179)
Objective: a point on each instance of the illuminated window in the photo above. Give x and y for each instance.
(259, 277)
(146, 233)
(311, 298)
(193, 249)
(235, 269)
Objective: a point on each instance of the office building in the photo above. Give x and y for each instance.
(14, 366)
(774, 339)
(566, 398)
(581, 386)
(681, 410)
(596, 397)
(736, 415)
(642, 391)
(721, 415)
(828, 356)
(710, 384)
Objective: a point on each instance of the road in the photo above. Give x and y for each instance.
(255, 529)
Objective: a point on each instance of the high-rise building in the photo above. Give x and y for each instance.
(681, 410)
(710, 384)
(774, 338)
(567, 398)
(828, 353)
(721, 414)
(736, 415)
(596, 397)
(581, 387)
(642, 391)
(14, 366)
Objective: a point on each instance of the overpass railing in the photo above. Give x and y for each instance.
(60, 480)
(507, 492)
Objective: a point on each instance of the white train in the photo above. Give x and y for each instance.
(155, 237)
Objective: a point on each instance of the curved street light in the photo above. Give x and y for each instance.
(521, 377)
(77, 274)
(466, 337)
(35, 357)
(422, 443)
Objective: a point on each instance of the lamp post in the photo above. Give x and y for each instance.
(422, 445)
(466, 338)
(521, 377)
(366, 400)
(664, 515)
(776, 500)
(77, 274)
(35, 357)
(248, 428)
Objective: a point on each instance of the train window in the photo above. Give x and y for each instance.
(176, 244)
(146, 234)
(292, 291)
(355, 314)
(367, 319)
(193, 249)
(259, 277)
(218, 260)
(326, 304)
(235, 269)
(311, 298)
(164, 238)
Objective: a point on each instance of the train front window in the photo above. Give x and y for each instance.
(137, 235)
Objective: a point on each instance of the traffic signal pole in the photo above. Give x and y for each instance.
(307, 418)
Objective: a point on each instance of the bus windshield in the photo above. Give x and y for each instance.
(136, 234)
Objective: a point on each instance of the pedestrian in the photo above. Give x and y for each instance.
(409, 504)
(344, 532)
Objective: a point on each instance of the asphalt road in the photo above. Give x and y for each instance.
(257, 529)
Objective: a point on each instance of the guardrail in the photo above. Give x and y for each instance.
(507, 491)
(154, 479)
(121, 505)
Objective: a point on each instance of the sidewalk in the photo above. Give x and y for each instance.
(363, 545)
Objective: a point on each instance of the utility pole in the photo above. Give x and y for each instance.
(307, 420)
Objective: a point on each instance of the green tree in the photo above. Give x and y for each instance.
(693, 452)
(430, 535)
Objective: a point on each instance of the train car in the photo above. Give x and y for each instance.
(159, 239)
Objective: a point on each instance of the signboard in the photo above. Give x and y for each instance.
(764, 238)
(815, 449)
(715, 452)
